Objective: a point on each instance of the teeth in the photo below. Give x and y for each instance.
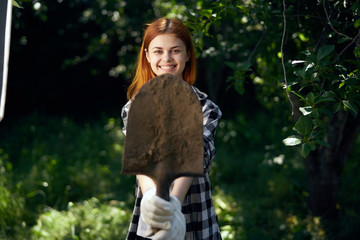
(166, 67)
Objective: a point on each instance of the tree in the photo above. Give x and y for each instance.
(326, 95)
(319, 45)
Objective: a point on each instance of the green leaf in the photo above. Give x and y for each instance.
(326, 111)
(292, 140)
(230, 79)
(337, 107)
(305, 110)
(314, 135)
(299, 95)
(239, 88)
(310, 98)
(244, 66)
(206, 12)
(230, 65)
(318, 124)
(315, 113)
(357, 51)
(351, 107)
(357, 23)
(326, 99)
(312, 146)
(14, 3)
(304, 125)
(305, 150)
(340, 67)
(206, 29)
(329, 94)
(343, 39)
(299, 73)
(324, 51)
(311, 57)
(308, 66)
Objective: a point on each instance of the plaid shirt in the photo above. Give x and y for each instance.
(197, 207)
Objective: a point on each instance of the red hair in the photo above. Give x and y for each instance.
(143, 69)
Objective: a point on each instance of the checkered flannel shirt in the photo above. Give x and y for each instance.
(198, 208)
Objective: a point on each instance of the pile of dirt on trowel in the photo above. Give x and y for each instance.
(164, 129)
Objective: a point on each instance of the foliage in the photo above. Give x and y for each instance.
(328, 81)
(263, 189)
(329, 88)
(50, 162)
(86, 220)
(259, 193)
(78, 67)
(262, 35)
(257, 177)
(11, 202)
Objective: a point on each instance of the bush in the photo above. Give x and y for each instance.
(60, 179)
(89, 219)
(48, 162)
(11, 203)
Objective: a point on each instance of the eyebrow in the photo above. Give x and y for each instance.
(170, 48)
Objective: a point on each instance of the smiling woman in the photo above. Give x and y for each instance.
(167, 54)
(174, 34)
(190, 214)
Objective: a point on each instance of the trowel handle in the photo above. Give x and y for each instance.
(163, 191)
(163, 186)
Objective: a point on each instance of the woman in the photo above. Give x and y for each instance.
(167, 48)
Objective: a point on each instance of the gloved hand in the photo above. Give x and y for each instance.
(161, 214)
(177, 229)
(155, 211)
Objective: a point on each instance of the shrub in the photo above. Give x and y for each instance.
(89, 219)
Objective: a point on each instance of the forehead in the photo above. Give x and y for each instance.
(166, 41)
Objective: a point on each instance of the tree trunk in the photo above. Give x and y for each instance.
(325, 165)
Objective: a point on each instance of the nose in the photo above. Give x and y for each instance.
(167, 56)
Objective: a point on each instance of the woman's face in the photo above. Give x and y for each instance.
(167, 54)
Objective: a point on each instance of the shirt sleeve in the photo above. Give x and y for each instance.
(124, 115)
(211, 117)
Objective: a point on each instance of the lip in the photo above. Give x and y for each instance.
(167, 67)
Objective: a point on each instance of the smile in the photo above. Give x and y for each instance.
(167, 67)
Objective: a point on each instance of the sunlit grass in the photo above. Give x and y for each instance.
(60, 179)
(89, 219)
(260, 189)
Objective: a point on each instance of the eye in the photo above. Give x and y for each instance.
(176, 51)
(157, 51)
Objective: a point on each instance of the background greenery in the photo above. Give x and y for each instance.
(70, 63)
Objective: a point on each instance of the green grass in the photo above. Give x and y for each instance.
(49, 164)
(60, 179)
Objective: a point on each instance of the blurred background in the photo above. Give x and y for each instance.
(284, 73)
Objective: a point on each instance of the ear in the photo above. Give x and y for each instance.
(147, 55)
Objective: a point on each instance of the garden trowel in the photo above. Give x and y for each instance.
(164, 135)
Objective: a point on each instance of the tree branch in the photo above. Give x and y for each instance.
(283, 63)
(328, 19)
(356, 38)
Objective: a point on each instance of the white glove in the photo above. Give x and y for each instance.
(178, 224)
(161, 214)
(155, 211)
